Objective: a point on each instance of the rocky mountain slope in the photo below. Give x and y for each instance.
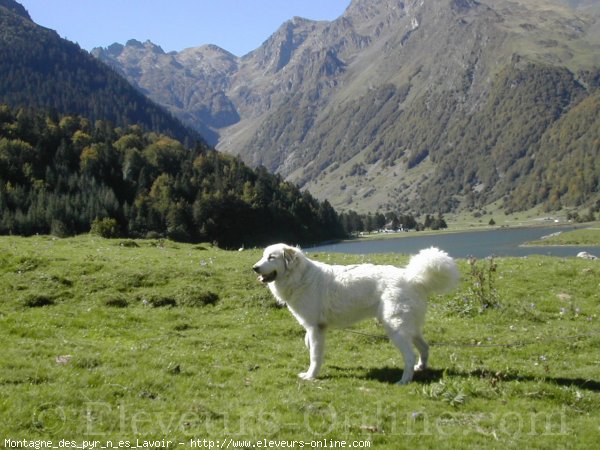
(40, 70)
(409, 105)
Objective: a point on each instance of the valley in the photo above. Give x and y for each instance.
(399, 105)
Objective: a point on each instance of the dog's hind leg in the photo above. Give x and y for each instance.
(405, 345)
(315, 341)
(423, 349)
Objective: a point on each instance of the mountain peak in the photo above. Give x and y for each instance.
(147, 45)
(277, 51)
(134, 43)
(376, 109)
(368, 9)
(215, 49)
(16, 8)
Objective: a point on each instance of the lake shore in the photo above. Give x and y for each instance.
(581, 236)
(480, 243)
(383, 235)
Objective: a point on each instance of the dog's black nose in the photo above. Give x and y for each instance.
(255, 268)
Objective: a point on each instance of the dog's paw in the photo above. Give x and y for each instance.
(420, 367)
(306, 376)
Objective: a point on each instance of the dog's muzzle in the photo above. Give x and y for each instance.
(265, 277)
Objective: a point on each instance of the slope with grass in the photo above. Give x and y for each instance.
(114, 340)
(586, 236)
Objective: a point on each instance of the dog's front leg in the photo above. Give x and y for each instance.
(315, 341)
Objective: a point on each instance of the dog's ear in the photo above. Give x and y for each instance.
(289, 255)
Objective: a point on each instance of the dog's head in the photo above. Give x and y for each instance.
(276, 261)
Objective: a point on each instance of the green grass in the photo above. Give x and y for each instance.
(106, 340)
(586, 236)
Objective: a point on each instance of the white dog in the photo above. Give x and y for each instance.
(322, 296)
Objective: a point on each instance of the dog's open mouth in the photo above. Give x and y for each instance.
(268, 277)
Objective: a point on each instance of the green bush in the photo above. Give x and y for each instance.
(59, 229)
(106, 228)
(481, 292)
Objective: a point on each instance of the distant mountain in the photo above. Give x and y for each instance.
(40, 70)
(191, 84)
(404, 105)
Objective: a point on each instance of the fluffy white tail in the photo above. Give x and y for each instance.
(434, 270)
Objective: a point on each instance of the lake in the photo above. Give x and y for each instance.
(480, 244)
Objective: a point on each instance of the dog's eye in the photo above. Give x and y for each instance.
(271, 258)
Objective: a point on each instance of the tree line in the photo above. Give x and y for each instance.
(61, 173)
(354, 223)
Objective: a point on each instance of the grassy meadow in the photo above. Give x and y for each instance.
(136, 341)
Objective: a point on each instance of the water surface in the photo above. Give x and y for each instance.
(480, 244)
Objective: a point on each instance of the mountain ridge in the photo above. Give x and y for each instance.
(367, 110)
(41, 70)
(16, 8)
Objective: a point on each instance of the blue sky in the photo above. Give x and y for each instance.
(238, 26)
